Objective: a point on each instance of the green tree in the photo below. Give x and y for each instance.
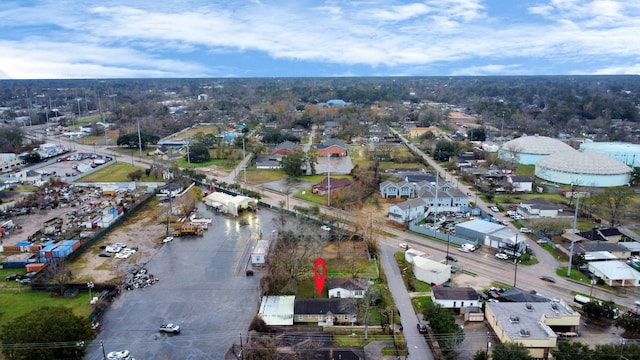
(32, 158)
(198, 153)
(444, 150)
(481, 355)
(635, 176)
(61, 333)
(292, 164)
(598, 310)
(613, 200)
(630, 323)
(135, 175)
(511, 351)
(443, 324)
(572, 351)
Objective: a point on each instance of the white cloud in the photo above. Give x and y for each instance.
(145, 37)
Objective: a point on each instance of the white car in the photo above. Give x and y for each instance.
(495, 209)
(170, 328)
(525, 230)
(404, 246)
(502, 256)
(119, 355)
(167, 239)
(325, 228)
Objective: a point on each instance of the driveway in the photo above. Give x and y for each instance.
(416, 343)
(202, 288)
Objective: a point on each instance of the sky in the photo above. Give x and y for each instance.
(53, 39)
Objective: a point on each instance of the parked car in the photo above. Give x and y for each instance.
(404, 246)
(525, 230)
(547, 279)
(105, 254)
(422, 328)
(170, 328)
(495, 209)
(502, 256)
(119, 355)
(541, 241)
(325, 228)
(452, 258)
(15, 277)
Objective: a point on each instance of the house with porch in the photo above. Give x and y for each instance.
(325, 311)
(396, 190)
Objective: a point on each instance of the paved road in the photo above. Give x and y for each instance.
(416, 344)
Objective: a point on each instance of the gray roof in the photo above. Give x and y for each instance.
(456, 293)
(579, 162)
(349, 284)
(482, 226)
(514, 317)
(541, 145)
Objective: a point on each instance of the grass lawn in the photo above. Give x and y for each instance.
(517, 198)
(388, 165)
(112, 139)
(575, 274)
(255, 177)
(17, 300)
(116, 172)
(525, 170)
(420, 303)
(206, 129)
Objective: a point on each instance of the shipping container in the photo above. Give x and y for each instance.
(14, 264)
(35, 267)
(11, 248)
(61, 251)
(35, 248)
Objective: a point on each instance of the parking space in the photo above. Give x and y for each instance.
(202, 288)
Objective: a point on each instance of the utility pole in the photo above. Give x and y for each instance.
(573, 235)
(245, 165)
(328, 180)
(435, 207)
(104, 353)
(139, 139)
(169, 214)
(488, 343)
(447, 249)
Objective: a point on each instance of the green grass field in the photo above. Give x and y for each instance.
(17, 300)
(116, 172)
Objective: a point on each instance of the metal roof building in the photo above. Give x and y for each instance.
(583, 168)
(527, 150)
(624, 152)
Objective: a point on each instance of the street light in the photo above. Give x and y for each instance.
(593, 282)
(90, 286)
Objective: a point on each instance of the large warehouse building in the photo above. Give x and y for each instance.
(625, 152)
(583, 168)
(491, 234)
(527, 150)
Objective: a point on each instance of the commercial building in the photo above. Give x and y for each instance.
(583, 168)
(527, 150)
(491, 234)
(626, 153)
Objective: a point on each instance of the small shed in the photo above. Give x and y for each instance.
(260, 252)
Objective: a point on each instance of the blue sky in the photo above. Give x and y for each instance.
(285, 38)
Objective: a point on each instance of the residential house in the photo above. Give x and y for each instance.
(325, 311)
(268, 163)
(442, 198)
(521, 183)
(348, 288)
(285, 148)
(612, 235)
(394, 190)
(336, 184)
(332, 148)
(407, 211)
(538, 208)
(456, 297)
(536, 326)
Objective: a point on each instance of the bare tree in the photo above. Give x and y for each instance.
(613, 200)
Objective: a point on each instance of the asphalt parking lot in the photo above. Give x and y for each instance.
(202, 288)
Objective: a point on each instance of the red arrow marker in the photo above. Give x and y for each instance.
(320, 274)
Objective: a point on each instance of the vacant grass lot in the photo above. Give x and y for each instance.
(17, 300)
(111, 139)
(116, 172)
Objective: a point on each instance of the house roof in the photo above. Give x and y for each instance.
(455, 293)
(610, 232)
(331, 142)
(591, 235)
(335, 182)
(277, 310)
(615, 270)
(410, 204)
(348, 283)
(517, 178)
(518, 295)
(603, 246)
(323, 306)
(288, 145)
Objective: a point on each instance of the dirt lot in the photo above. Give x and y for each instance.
(142, 230)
